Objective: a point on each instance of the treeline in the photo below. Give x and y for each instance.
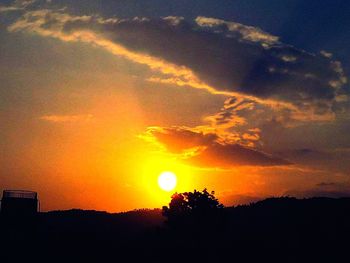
(273, 230)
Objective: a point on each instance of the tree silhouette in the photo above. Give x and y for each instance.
(193, 210)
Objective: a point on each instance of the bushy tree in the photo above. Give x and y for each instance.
(193, 209)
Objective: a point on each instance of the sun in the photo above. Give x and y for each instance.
(167, 181)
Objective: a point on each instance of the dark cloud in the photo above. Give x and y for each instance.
(233, 57)
(178, 139)
(208, 151)
(230, 155)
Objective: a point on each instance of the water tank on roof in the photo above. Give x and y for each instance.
(19, 202)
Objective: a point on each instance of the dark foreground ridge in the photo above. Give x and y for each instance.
(273, 230)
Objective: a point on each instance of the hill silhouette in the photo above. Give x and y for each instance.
(273, 230)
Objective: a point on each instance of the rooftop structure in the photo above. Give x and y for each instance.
(19, 202)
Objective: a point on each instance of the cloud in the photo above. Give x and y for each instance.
(9, 8)
(67, 118)
(235, 58)
(207, 149)
(231, 155)
(239, 60)
(218, 56)
(178, 139)
(17, 6)
(326, 54)
(249, 33)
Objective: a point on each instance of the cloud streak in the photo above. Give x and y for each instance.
(18, 5)
(67, 118)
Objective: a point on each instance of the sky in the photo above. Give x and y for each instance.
(248, 98)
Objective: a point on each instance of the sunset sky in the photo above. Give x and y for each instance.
(249, 98)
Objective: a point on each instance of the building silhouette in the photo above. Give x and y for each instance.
(19, 202)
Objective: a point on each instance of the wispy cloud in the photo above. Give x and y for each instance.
(17, 5)
(67, 118)
(9, 8)
(249, 33)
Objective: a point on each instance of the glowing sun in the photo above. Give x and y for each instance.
(167, 181)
